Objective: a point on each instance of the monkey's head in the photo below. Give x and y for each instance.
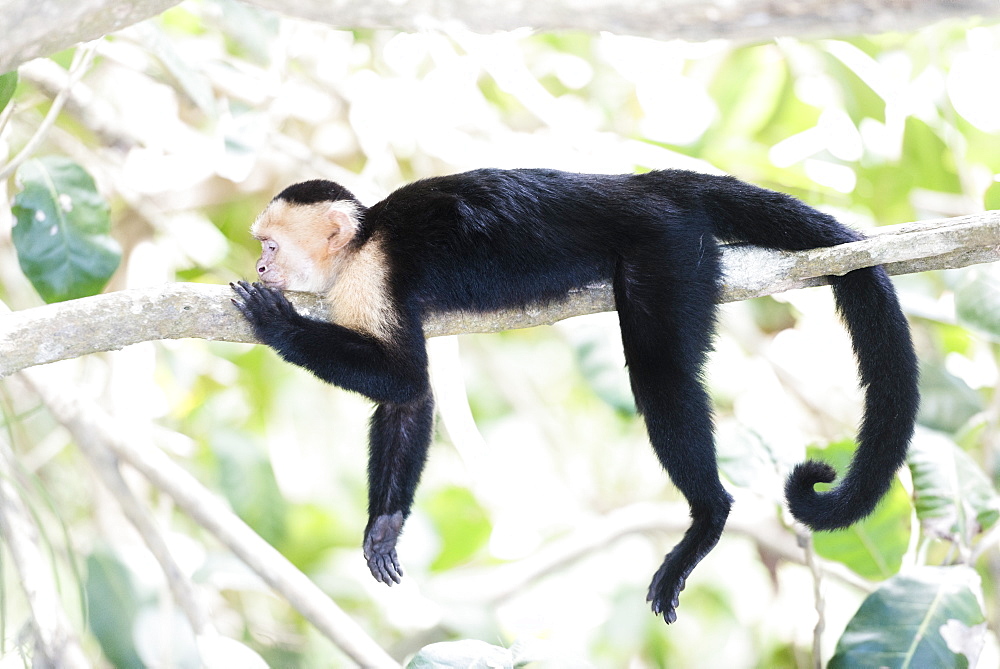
(303, 233)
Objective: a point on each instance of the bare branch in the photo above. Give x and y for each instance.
(44, 27)
(36, 28)
(115, 320)
(695, 20)
(495, 584)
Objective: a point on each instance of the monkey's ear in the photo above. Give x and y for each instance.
(343, 227)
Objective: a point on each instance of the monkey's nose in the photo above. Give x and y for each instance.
(261, 269)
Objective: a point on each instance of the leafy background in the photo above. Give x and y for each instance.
(187, 124)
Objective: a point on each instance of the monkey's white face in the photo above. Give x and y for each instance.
(301, 245)
(268, 269)
(284, 266)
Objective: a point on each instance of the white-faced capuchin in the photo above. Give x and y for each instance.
(490, 239)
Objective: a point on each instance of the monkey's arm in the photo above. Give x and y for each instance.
(401, 426)
(337, 355)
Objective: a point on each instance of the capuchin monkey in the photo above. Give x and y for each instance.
(493, 239)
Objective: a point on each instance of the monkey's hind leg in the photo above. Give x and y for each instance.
(667, 325)
(399, 437)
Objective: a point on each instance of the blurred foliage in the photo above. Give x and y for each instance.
(188, 124)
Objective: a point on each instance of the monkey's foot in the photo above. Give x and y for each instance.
(380, 547)
(665, 590)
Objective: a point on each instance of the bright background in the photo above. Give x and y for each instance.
(196, 118)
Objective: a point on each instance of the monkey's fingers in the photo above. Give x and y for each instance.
(385, 568)
(260, 303)
(380, 548)
(241, 288)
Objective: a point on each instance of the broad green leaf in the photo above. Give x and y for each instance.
(991, 199)
(8, 83)
(248, 30)
(930, 617)
(748, 89)
(597, 346)
(310, 532)
(466, 654)
(929, 158)
(874, 547)
(112, 605)
(219, 652)
(462, 523)
(946, 401)
(61, 231)
(953, 497)
(846, 64)
(746, 460)
(977, 299)
(247, 480)
(192, 80)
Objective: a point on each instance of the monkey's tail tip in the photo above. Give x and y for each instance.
(818, 510)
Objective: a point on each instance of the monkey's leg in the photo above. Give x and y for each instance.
(399, 437)
(667, 324)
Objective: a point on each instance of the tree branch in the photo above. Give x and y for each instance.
(490, 586)
(115, 320)
(695, 20)
(44, 27)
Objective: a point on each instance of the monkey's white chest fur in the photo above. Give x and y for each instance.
(359, 298)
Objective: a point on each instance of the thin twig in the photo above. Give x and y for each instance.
(806, 543)
(56, 644)
(82, 59)
(493, 585)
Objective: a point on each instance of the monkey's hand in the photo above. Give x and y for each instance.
(268, 310)
(380, 547)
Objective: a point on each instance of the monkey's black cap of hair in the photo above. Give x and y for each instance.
(312, 192)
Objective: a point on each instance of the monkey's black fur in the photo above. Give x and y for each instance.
(487, 239)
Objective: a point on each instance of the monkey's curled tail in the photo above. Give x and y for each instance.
(888, 373)
(880, 336)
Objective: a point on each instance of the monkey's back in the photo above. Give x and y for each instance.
(489, 239)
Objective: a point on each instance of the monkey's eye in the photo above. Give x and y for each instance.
(269, 245)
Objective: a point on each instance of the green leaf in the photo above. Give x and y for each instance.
(874, 547)
(991, 199)
(747, 460)
(602, 364)
(929, 617)
(61, 231)
(748, 89)
(462, 523)
(112, 605)
(946, 401)
(466, 654)
(191, 80)
(8, 84)
(860, 101)
(249, 30)
(953, 497)
(929, 158)
(247, 480)
(977, 300)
